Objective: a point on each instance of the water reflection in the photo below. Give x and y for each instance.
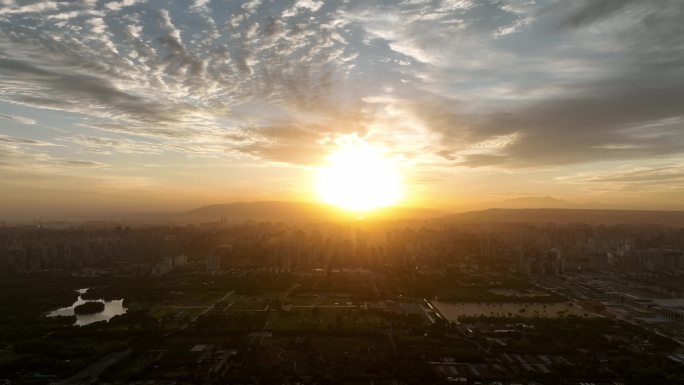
(112, 308)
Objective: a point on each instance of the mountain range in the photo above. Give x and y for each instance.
(537, 203)
(538, 210)
(296, 211)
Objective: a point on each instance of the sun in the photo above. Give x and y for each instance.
(359, 177)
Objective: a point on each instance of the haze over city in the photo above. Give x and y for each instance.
(125, 107)
(342, 192)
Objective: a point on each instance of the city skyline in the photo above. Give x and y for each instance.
(155, 106)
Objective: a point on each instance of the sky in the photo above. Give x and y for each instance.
(159, 105)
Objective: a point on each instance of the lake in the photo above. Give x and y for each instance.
(112, 308)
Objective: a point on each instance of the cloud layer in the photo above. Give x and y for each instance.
(446, 85)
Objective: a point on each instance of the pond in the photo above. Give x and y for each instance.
(112, 308)
(451, 311)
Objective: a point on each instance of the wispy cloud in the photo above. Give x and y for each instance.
(18, 119)
(19, 153)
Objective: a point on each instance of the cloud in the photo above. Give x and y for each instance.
(448, 83)
(651, 175)
(79, 163)
(158, 82)
(31, 8)
(118, 5)
(166, 23)
(86, 93)
(607, 122)
(588, 11)
(102, 145)
(200, 3)
(590, 95)
(16, 153)
(97, 25)
(8, 140)
(294, 143)
(18, 119)
(75, 14)
(310, 5)
(664, 179)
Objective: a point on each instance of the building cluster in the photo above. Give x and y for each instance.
(521, 248)
(558, 249)
(29, 249)
(668, 308)
(169, 264)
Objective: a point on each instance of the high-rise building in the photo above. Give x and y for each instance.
(213, 262)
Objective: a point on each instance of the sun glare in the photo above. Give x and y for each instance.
(359, 177)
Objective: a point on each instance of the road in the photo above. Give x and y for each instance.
(93, 371)
(208, 308)
(251, 348)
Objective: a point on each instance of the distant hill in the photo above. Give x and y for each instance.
(560, 215)
(539, 203)
(295, 211)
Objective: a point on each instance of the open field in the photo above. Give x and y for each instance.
(451, 311)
